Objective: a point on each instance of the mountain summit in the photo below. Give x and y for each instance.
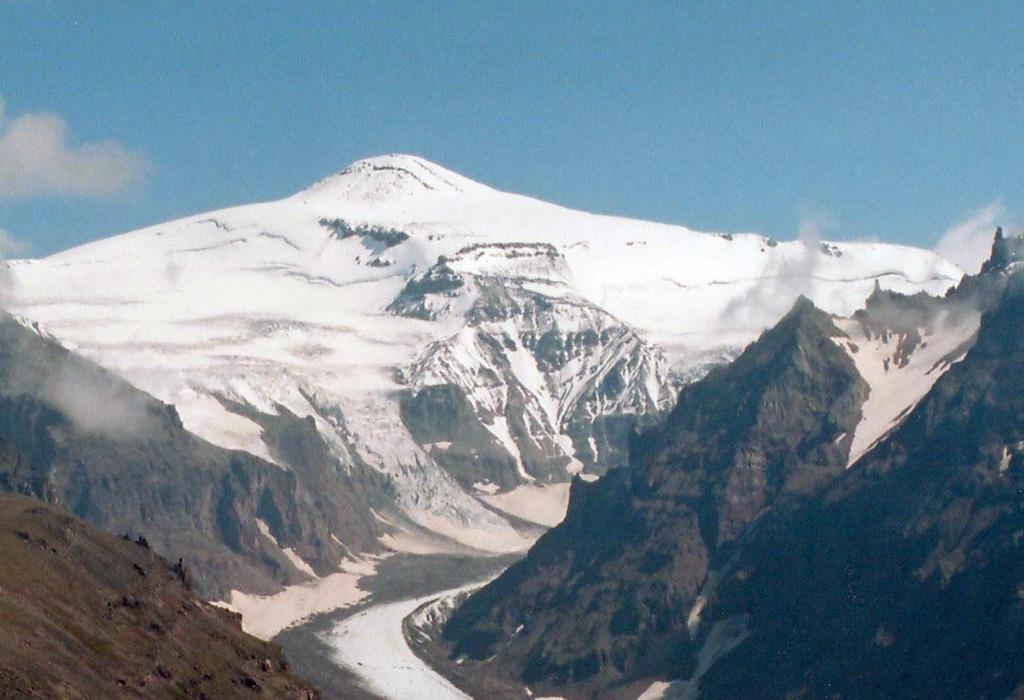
(394, 176)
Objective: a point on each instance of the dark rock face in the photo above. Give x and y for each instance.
(343, 495)
(442, 419)
(376, 238)
(86, 614)
(1005, 253)
(905, 579)
(414, 300)
(122, 460)
(778, 420)
(889, 314)
(606, 597)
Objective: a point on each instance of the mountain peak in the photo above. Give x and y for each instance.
(803, 314)
(1006, 252)
(391, 177)
(803, 305)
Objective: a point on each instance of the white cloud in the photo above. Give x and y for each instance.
(36, 160)
(794, 275)
(969, 242)
(9, 245)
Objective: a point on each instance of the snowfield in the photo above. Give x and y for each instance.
(397, 274)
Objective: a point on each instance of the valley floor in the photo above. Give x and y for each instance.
(372, 645)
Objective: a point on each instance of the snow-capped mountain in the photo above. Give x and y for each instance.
(461, 340)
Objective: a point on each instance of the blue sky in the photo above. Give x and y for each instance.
(892, 121)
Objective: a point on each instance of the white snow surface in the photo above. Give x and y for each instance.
(268, 305)
(898, 382)
(656, 691)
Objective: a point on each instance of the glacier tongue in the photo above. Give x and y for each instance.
(443, 332)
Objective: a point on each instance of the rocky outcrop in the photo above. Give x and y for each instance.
(376, 238)
(1006, 253)
(443, 421)
(905, 578)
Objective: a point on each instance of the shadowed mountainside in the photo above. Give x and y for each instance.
(906, 578)
(740, 555)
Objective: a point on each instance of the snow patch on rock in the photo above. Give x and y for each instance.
(899, 377)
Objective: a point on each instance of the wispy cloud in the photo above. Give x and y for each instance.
(776, 292)
(969, 242)
(89, 397)
(9, 245)
(99, 403)
(36, 160)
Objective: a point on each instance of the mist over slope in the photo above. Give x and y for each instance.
(117, 457)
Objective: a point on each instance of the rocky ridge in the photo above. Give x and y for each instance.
(555, 382)
(910, 564)
(610, 593)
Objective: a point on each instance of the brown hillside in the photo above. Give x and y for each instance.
(84, 614)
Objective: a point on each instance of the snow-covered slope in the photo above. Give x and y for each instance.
(901, 368)
(458, 338)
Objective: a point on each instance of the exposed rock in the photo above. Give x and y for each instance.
(1006, 253)
(374, 237)
(344, 495)
(442, 420)
(557, 382)
(739, 555)
(905, 579)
